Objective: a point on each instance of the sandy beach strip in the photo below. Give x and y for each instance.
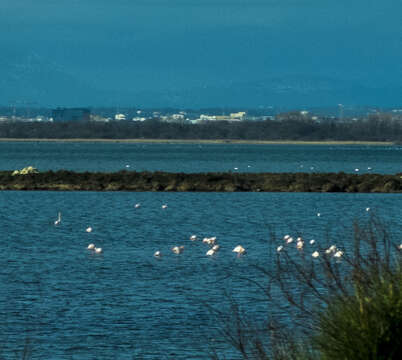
(200, 141)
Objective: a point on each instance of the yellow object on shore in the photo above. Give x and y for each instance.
(25, 171)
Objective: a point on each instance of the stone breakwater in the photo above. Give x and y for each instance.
(219, 182)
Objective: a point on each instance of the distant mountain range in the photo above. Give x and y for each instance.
(34, 80)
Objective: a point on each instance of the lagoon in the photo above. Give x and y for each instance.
(69, 303)
(125, 303)
(200, 157)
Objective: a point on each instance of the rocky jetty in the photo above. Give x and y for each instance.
(218, 182)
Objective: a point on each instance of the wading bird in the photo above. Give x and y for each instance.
(331, 249)
(209, 241)
(240, 250)
(289, 240)
(178, 249)
(338, 254)
(210, 252)
(300, 244)
(58, 221)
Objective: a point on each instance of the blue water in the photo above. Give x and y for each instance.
(69, 303)
(126, 304)
(200, 158)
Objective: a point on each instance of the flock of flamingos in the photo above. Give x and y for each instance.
(239, 249)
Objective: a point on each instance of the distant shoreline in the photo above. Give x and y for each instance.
(200, 141)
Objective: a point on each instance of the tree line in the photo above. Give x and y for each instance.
(369, 129)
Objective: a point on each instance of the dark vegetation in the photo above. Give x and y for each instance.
(327, 308)
(374, 128)
(228, 182)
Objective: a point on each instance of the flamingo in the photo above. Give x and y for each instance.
(331, 249)
(240, 250)
(210, 252)
(289, 240)
(209, 241)
(178, 249)
(58, 221)
(338, 254)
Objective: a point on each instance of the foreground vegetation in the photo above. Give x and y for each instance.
(225, 181)
(334, 305)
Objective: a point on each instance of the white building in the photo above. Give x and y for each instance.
(119, 117)
(238, 116)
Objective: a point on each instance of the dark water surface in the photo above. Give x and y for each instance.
(125, 303)
(80, 156)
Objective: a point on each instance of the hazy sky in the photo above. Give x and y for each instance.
(157, 44)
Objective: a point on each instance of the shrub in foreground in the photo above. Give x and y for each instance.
(329, 304)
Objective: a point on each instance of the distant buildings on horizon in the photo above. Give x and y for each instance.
(84, 114)
(75, 114)
(71, 114)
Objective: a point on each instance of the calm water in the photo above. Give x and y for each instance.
(124, 303)
(200, 158)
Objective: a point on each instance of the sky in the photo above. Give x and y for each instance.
(129, 46)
